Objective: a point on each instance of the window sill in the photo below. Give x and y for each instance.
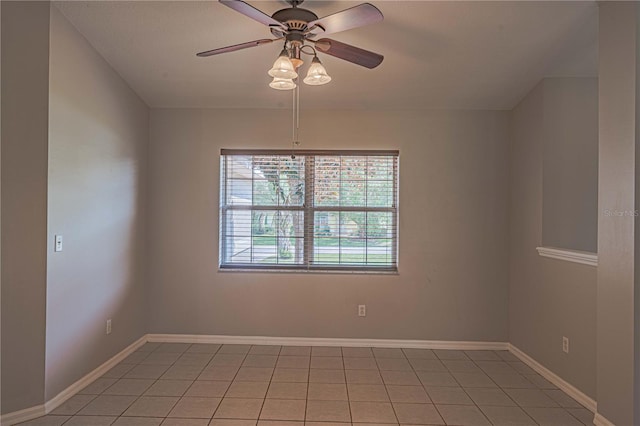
(306, 271)
(575, 256)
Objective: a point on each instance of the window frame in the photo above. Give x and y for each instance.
(309, 211)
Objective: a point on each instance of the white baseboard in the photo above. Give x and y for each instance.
(22, 415)
(565, 386)
(59, 399)
(320, 341)
(41, 410)
(600, 420)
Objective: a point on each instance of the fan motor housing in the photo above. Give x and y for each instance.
(295, 18)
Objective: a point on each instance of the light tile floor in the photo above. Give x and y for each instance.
(175, 384)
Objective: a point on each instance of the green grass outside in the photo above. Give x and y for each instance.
(332, 258)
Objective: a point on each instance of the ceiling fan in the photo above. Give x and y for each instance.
(299, 28)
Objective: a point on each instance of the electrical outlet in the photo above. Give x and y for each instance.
(109, 326)
(58, 243)
(362, 310)
(565, 344)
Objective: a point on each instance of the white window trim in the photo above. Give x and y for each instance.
(313, 271)
(575, 256)
(323, 269)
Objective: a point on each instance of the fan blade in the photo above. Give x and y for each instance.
(349, 53)
(235, 47)
(357, 16)
(250, 11)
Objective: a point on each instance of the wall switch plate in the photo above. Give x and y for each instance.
(109, 326)
(565, 344)
(362, 310)
(58, 243)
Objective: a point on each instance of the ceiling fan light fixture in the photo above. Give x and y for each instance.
(317, 74)
(282, 84)
(283, 67)
(297, 63)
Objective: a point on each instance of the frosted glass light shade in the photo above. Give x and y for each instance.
(283, 67)
(317, 74)
(282, 84)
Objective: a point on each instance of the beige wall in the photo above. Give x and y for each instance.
(25, 91)
(570, 164)
(453, 229)
(618, 171)
(98, 137)
(548, 298)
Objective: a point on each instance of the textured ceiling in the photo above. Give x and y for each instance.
(459, 55)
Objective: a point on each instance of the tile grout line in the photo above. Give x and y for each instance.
(469, 396)
(306, 397)
(490, 378)
(171, 365)
(120, 378)
(509, 396)
(393, 408)
(213, 355)
(454, 378)
(230, 383)
(346, 385)
(425, 388)
(264, 400)
(140, 396)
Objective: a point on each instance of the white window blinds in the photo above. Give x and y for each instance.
(327, 210)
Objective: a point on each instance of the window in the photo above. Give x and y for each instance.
(320, 210)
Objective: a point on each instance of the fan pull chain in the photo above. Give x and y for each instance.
(296, 121)
(297, 139)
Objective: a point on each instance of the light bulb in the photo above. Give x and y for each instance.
(282, 84)
(283, 67)
(317, 74)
